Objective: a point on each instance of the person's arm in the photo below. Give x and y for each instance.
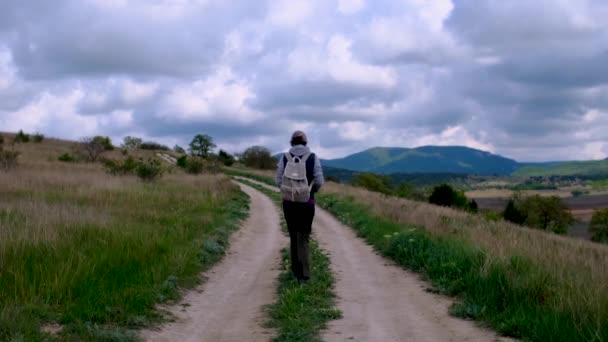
(317, 174)
(280, 170)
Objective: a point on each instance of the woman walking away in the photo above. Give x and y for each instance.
(299, 176)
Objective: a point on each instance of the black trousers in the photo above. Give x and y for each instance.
(299, 218)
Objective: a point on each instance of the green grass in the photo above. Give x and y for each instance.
(301, 312)
(513, 295)
(101, 281)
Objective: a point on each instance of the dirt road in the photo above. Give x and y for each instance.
(228, 307)
(381, 301)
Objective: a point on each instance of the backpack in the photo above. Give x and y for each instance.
(295, 187)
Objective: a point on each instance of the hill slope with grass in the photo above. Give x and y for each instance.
(573, 168)
(426, 159)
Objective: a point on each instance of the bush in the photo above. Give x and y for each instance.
(68, 158)
(1, 139)
(182, 161)
(258, 157)
(445, 196)
(150, 170)
(22, 137)
(38, 138)
(194, 165)
(226, 158)
(8, 159)
(106, 142)
(599, 226)
(121, 168)
(91, 148)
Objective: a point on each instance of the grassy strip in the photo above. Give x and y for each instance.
(513, 295)
(301, 312)
(101, 280)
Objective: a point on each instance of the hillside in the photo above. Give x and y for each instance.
(426, 159)
(590, 167)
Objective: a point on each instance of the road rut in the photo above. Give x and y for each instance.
(228, 306)
(381, 301)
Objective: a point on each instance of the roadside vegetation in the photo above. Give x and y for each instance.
(301, 312)
(522, 282)
(85, 255)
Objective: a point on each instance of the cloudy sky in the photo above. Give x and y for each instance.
(525, 79)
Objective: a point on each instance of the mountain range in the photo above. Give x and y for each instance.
(456, 159)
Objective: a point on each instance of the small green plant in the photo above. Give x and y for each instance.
(21, 137)
(599, 226)
(68, 158)
(150, 170)
(38, 138)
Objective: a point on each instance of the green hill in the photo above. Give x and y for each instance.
(426, 159)
(591, 167)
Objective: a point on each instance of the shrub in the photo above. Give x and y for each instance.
(599, 226)
(182, 161)
(373, 182)
(106, 142)
(68, 158)
(150, 170)
(258, 157)
(22, 137)
(226, 158)
(38, 138)
(121, 168)
(194, 165)
(8, 159)
(1, 139)
(444, 195)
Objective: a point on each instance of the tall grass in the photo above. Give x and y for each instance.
(93, 253)
(523, 282)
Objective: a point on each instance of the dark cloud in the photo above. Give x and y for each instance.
(526, 79)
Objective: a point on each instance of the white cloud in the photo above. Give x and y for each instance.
(455, 135)
(290, 13)
(220, 97)
(348, 7)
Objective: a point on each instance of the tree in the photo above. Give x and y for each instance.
(21, 137)
(226, 158)
(106, 142)
(442, 195)
(599, 226)
(513, 214)
(201, 145)
(179, 149)
(546, 213)
(91, 148)
(132, 143)
(258, 157)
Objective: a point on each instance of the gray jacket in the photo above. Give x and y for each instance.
(317, 174)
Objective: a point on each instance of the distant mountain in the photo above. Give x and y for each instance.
(426, 159)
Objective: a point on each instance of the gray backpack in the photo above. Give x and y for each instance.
(295, 187)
